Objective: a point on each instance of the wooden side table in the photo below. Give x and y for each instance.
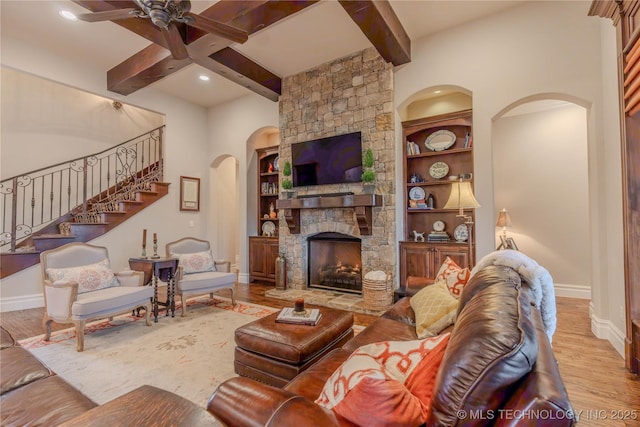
(155, 269)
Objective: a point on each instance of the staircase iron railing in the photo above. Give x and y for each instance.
(80, 189)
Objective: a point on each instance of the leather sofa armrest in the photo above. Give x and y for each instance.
(222, 265)
(243, 402)
(540, 392)
(130, 278)
(402, 312)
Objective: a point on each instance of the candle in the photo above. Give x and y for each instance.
(144, 237)
(298, 305)
(155, 238)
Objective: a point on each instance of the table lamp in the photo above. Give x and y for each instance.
(504, 221)
(462, 198)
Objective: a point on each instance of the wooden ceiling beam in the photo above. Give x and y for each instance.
(381, 26)
(154, 62)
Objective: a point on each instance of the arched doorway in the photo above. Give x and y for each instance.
(541, 177)
(224, 208)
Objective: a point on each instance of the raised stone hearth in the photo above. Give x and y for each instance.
(351, 94)
(324, 298)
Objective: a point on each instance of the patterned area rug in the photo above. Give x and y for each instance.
(189, 356)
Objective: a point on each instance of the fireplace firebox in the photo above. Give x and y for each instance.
(335, 262)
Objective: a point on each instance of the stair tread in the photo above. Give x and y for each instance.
(53, 236)
(136, 202)
(114, 212)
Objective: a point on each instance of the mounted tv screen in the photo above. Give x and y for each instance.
(332, 160)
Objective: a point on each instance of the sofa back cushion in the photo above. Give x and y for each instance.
(493, 345)
(91, 277)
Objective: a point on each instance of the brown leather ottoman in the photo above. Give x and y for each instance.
(274, 353)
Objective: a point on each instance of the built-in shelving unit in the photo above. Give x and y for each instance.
(424, 258)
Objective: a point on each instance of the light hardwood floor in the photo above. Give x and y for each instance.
(599, 386)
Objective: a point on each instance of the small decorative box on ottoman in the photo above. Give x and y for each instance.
(274, 353)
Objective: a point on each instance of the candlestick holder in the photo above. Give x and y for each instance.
(155, 251)
(144, 252)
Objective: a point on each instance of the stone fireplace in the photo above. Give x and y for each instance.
(351, 94)
(335, 262)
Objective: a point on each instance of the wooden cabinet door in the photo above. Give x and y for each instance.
(271, 253)
(459, 254)
(257, 256)
(416, 259)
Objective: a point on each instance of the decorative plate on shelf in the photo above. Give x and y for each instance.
(440, 140)
(268, 228)
(275, 164)
(438, 170)
(417, 193)
(461, 233)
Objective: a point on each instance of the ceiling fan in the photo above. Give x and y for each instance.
(164, 14)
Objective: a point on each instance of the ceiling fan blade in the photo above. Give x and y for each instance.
(215, 27)
(174, 40)
(107, 15)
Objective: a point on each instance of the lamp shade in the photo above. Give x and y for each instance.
(504, 220)
(461, 197)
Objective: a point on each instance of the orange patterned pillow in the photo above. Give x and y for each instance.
(386, 383)
(454, 276)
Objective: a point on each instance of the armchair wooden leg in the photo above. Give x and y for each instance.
(80, 334)
(46, 322)
(147, 313)
(184, 305)
(233, 296)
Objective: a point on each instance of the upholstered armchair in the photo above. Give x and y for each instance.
(80, 286)
(198, 272)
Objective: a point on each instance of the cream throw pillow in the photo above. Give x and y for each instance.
(91, 277)
(197, 262)
(435, 309)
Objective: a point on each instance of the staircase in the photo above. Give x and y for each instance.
(121, 182)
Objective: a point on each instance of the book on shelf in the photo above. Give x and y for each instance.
(412, 148)
(308, 317)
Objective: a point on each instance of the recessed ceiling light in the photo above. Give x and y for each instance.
(437, 91)
(204, 78)
(68, 15)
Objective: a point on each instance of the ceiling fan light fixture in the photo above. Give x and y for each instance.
(68, 15)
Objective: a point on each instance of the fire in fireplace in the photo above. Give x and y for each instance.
(335, 262)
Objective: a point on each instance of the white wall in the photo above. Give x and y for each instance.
(534, 49)
(40, 115)
(233, 130)
(186, 140)
(540, 172)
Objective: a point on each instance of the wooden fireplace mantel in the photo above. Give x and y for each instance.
(361, 203)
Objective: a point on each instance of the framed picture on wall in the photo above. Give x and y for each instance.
(189, 194)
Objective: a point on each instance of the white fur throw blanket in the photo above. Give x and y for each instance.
(537, 276)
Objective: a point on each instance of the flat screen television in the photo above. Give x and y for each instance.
(333, 160)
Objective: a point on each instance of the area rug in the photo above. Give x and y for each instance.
(189, 356)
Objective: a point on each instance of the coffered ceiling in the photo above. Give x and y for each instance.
(285, 38)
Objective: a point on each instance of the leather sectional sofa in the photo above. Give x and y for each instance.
(498, 368)
(32, 395)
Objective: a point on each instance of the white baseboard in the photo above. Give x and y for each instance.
(21, 303)
(606, 330)
(243, 278)
(572, 291)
